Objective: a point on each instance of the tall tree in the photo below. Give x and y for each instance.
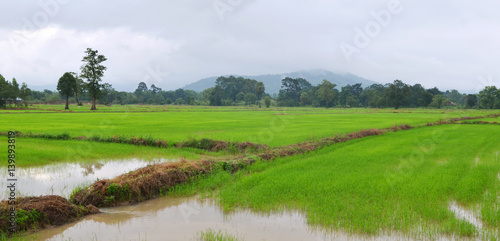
(67, 87)
(398, 94)
(93, 71)
(326, 92)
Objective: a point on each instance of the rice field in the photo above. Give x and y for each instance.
(275, 127)
(427, 182)
(400, 182)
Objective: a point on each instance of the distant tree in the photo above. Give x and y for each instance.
(155, 89)
(425, 99)
(168, 101)
(250, 98)
(435, 91)
(179, 101)
(267, 101)
(190, 100)
(373, 96)
(240, 96)
(487, 97)
(471, 101)
(215, 95)
(291, 89)
(80, 88)
(24, 94)
(438, 101)
(108, 94)
(455, 97)
(158, 99)
(4, 88)
(398, 94)
(122, 97)
(304, 98)
(14, 92)
(259, 91)
(326, 92)
(350, 95)
(142, 87)
(93, 71)
(67, 87)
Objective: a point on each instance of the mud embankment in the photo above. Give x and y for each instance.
(41, 212)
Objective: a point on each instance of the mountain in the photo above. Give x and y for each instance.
(272, 82)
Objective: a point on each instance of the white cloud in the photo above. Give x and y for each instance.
(446, 44)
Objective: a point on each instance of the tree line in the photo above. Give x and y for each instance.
(231, 91)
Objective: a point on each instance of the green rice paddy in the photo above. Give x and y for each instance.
(403, 182)
(399, 182)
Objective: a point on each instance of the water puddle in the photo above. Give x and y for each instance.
(184, 218)
(466, 215)
(61, 179)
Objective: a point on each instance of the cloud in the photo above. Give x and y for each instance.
(448, 44)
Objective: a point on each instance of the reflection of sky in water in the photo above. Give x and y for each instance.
(168, 218)
(61, 179)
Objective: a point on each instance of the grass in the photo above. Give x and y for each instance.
(35, 151)
(211, 235)
(402, 181)
(274, 127)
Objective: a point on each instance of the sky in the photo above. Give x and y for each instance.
(449, 44)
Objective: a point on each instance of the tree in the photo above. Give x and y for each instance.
(14, 91)
(487, 97)
(438, 101)
(154, 89)
(470, 101)
(24, 94)
(259, 91)
(215, 95)
(350, 95)
(4, 88)
(398, 94)
(267, 101)
(291, 89)
(108, 94)
(326, 92)
(250, 98)
(179, 101)
(80, 88)
(93, 71)
(67, 87)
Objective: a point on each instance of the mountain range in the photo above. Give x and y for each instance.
(272, 82)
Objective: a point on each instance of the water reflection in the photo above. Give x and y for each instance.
(61, 179)
(184, 218)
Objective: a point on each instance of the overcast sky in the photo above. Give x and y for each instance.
(451, 44)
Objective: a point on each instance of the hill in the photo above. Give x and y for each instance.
(272, 82)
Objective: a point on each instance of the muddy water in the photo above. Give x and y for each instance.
(61, 179)
(184, 218)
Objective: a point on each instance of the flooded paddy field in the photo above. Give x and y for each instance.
(431, 182)
(184, 218)
(61, 179)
